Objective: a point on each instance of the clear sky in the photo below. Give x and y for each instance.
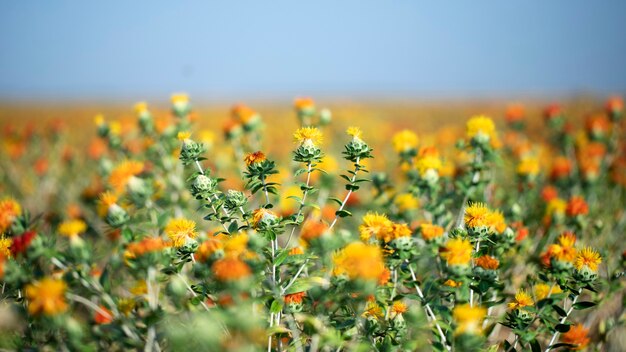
(236, 49)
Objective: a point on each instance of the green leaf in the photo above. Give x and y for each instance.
(535, 346)
(562, 327)
(343, 213)
(584, 305)
(281, 257)
(233, 227)
(560, 311)
(276, 307)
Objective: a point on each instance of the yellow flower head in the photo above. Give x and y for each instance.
(480, 126)
(457, 251)
(404, 141)
(261, 214)
(179, 230)
(355, 132)
(495, 220)
(180, 98)
(5, 246)
(522, 299)
(556, 206)
(141, 108)
(431, 232)
(399, 230)
(476, 215)
(487, 262)
(72, 228)
(452, 283)
(122, 173)
(468, 319)
(236, 245)
(46, 297)
(543, 290)
(375, 224)
(406, 202)
(528, 166)
(9, 210)
(373, 310)
(183, 135)
(359, 261)
(254, 158)
(310, 134)
(587, 257)
(428, 162)
(98, 120)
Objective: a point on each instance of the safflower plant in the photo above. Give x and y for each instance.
(498, 244)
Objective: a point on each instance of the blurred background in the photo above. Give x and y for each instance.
(397, 64)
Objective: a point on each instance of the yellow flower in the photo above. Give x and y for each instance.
(5, 246)
(236, 245)
(359, 261)
(355, 132)
(404, 141)
(305, 134)
(183, 135)
(397, 231)
(457, 251)
(180, 98)
(179, 230)
(522, 299)
(468, 319)
(254, 158)
(46, 297)
(480, 126)
(140, 288)
(587, 257)
(428, 162)
(405, 202)
(375, 224)
(495, 220)
(452, 283)
(476, 215)
(262, 214)
(373, 310)
(72, 228)
(556, 206)
(528, 167)
(98, 120)
(141, 108)
(543, 290)
(9, 210)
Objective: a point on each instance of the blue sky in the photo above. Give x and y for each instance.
(133, 50)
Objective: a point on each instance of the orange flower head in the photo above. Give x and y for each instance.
(514, 113)
(294, 298)
(121, 174)
(399, 308)
(254, 158)
(9, 211)
(103, 316)
(375, 225)
(430, 232)
(359, 261)
(46, 297)
(312, 229)
(304, 103)
(561, 168)
(577, 206)
(522, 299)
(577, 335)
(487, 262)
(230, 269)
(615, 104)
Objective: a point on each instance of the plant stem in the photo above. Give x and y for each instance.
(569, 311)
(345, 200)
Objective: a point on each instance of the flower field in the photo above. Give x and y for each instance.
(305, 228)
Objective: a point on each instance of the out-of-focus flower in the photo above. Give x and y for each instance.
(72, 228)
(577, 206)
(577, 335)
(230, 269)
(9, 211)
(430, 232)
(359, 261)
(103, 316)
(487, 262)
(468, 319)
(46, 297)
(5, 246)
(561, 168)
(21, 243)
(544, 290)
(457, 251)
(311, 229)
(122, 174)
(406, 202)
(180, 231)
(308, 135)
(481, 129)
(514, 113)
(254, 158)
(404, 141)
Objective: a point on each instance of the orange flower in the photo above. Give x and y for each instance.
(430, 232)
(487, 262)
(103, 316)
(577, 336)
(146, 245)
(514, 113)
(254, 158)
(359, 261)
(398, 307)
(295, 298)
(304, 103)
(549, 192)
(597, 124)
(457, 251)
(312, 229)
(9, 210)
(577, 206)
(46, 297)
(243, 114)
(121, 174)
(614, 104)
(208, 247)
(551, 111)
(561, 168)
(230, 269)
(375, 225)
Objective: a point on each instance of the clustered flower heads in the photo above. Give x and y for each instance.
(164, 236)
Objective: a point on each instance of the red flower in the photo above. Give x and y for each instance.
(20, 243)
(577, 206)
